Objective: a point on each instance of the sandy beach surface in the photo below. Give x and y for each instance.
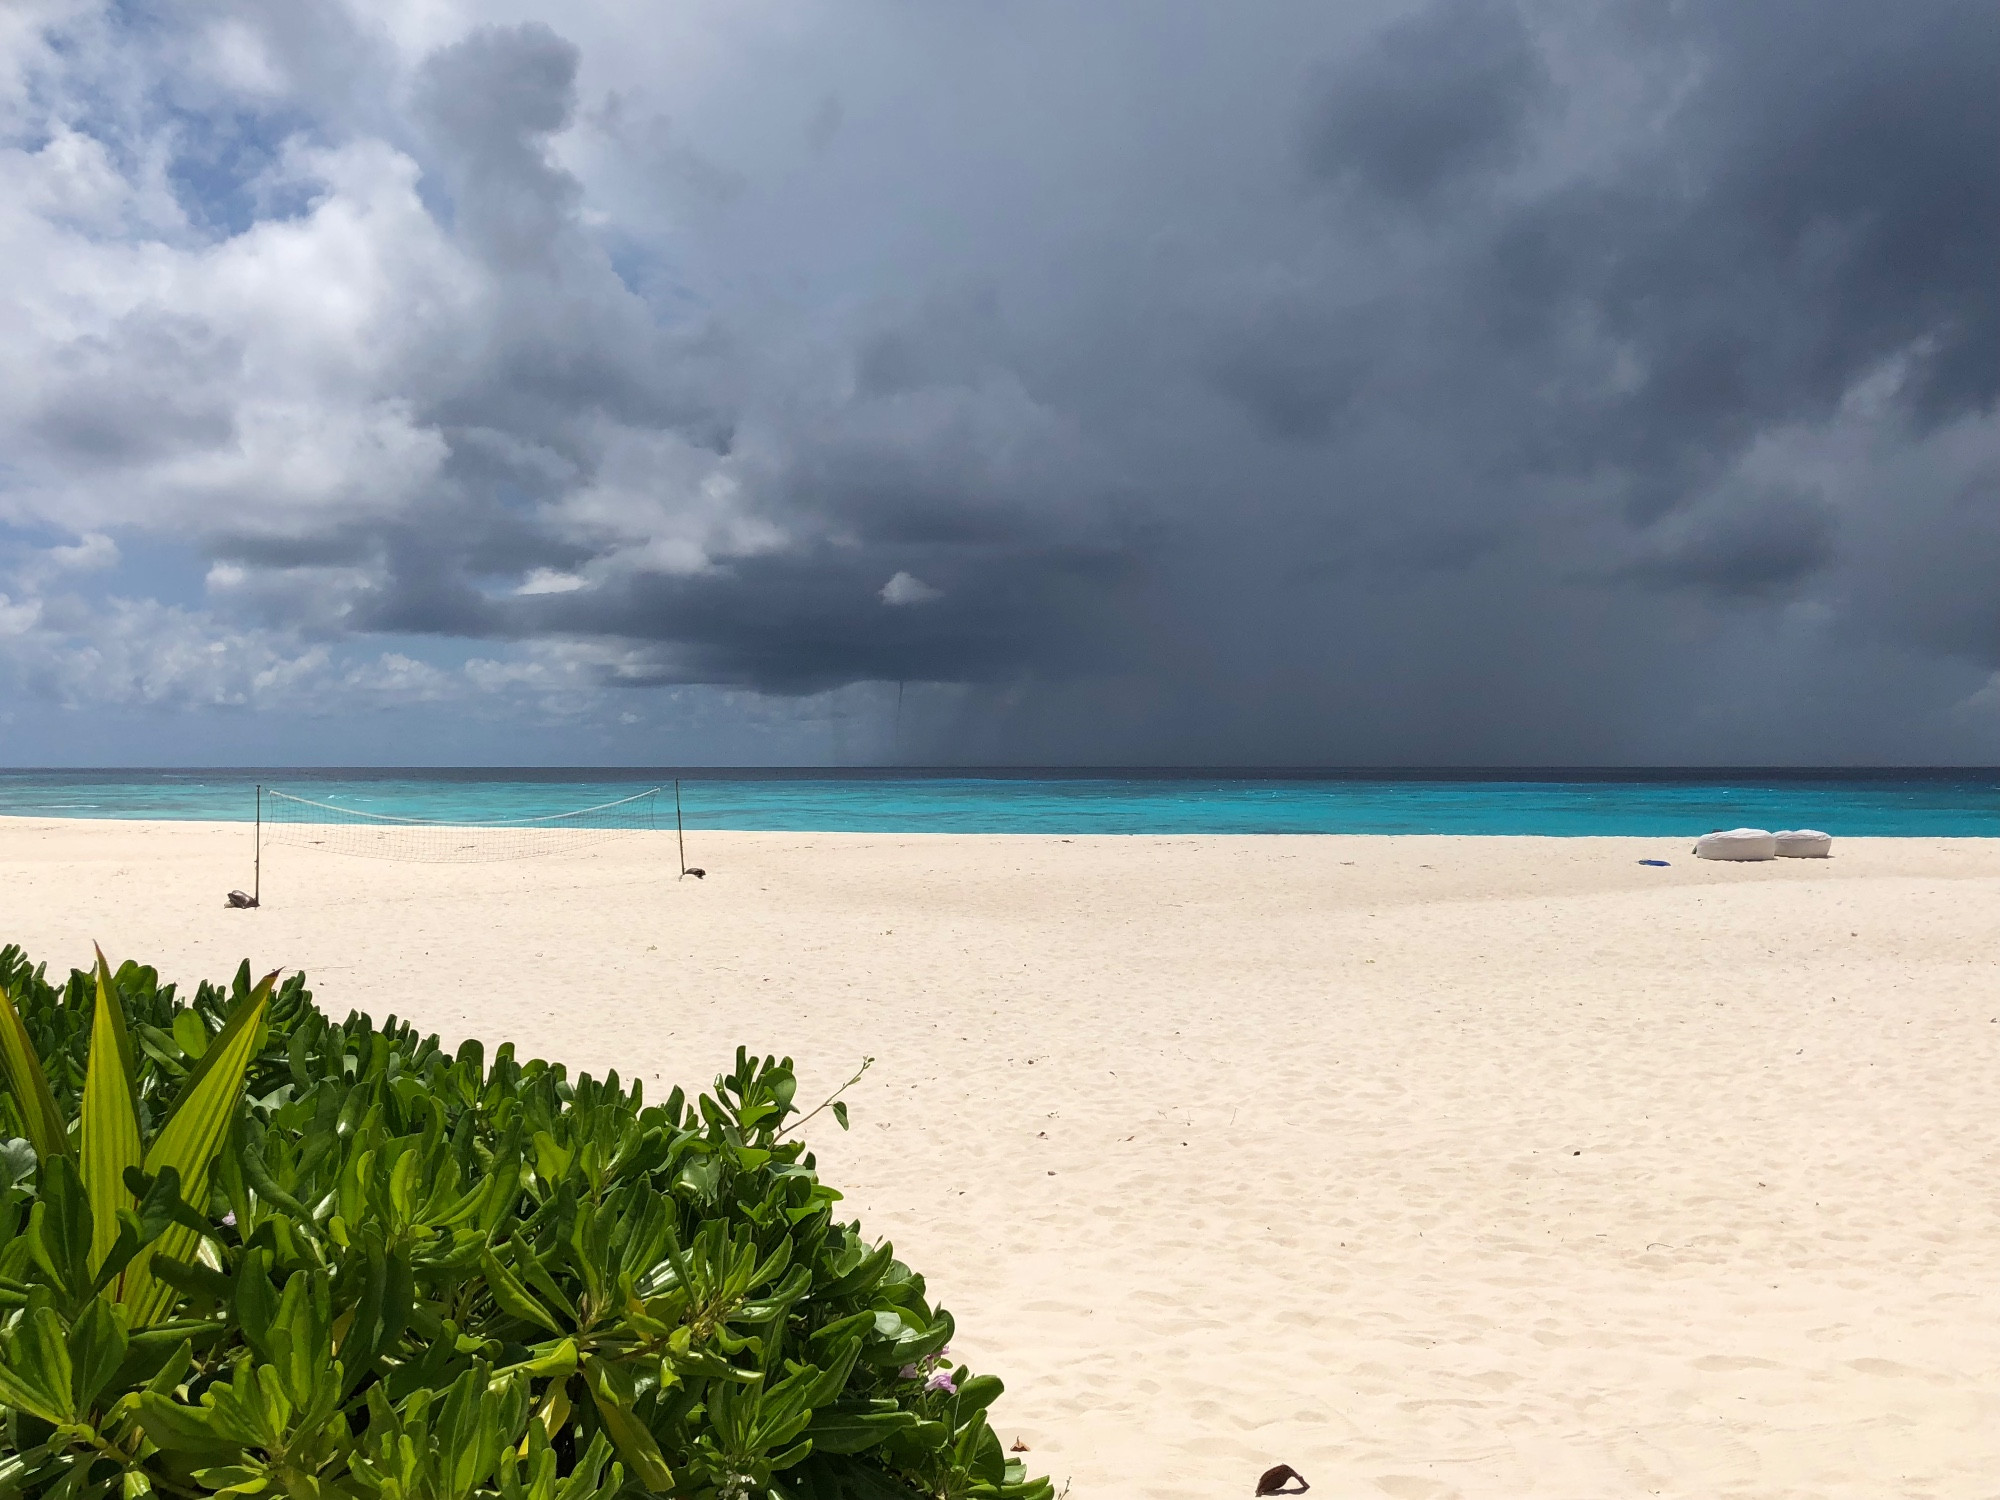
(1429, 1166)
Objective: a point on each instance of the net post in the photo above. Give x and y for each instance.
(257, 866)
(680, 835)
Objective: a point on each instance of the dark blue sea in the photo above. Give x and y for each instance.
(1933, 803)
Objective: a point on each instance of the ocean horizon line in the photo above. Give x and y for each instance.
(1158, 772)
(1556, 801)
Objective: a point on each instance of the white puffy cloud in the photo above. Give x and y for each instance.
(906, 588)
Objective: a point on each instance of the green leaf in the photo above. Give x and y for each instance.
(181, 1429)
(255, 1300)
(110, 1116)
(551, 1160)
(557, 1360)
(380, 1316)
(28, 1084)
(237, 1479)
(18, 1160)
(97, 1346)
(862, 1276)
(188, 1142)
(855, 1427)
(536, 1275)
(190, 1279)
(513, 1297)
(191, 1035)
(257, 1173)
(36, 1375)
(59, 1228)
(610, 1391)
(584, 1480)
(173, 1369)
(161, 1047)
(976, 1393)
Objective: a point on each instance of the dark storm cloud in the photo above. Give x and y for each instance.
(1818, 199)
(1754, 545)
(1297, 367)
(565, 347)
(1457, 380)
(803, 623)
(1437, 97)
(1020, 584)
(1823, 200)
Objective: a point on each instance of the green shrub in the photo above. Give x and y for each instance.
(247, 1250)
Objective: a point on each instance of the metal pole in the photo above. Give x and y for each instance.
(680, 835)
(257, 874)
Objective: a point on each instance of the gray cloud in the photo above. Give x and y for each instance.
(1437, 97)
(150, 387)
(491, 103)
(1413, 381)
(1297, 367)
(1750, 546)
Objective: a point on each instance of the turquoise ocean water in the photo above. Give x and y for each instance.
(1955, 803)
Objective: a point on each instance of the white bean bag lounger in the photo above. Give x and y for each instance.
(1803, 843)
(1737, 843)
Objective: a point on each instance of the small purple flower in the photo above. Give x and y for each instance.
(933, 1371)
(229, 1219)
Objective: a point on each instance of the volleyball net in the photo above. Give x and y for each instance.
(303, 822)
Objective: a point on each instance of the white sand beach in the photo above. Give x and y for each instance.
(1429, 1166)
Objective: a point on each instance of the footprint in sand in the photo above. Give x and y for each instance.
(1880, 1367)
(1733, 1362)
(1409, 1486)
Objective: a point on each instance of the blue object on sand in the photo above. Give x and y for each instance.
(1660, 862)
